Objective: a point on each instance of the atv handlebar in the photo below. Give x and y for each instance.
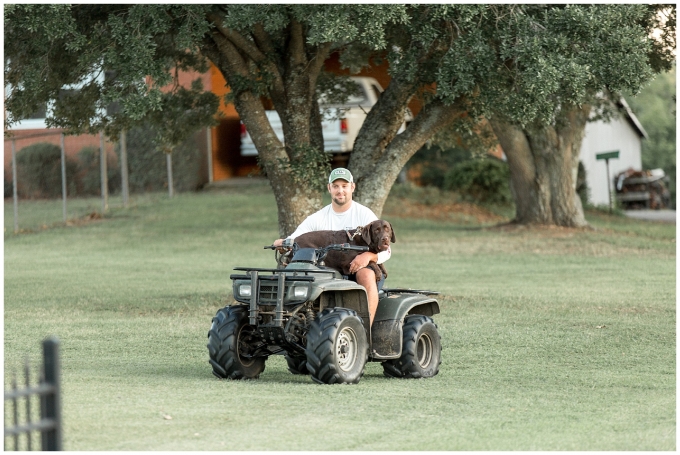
(345, 247)
(334, 247)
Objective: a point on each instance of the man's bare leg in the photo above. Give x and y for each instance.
(366, 278)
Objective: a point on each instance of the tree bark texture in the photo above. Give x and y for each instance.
(543, 162)
(293, 93)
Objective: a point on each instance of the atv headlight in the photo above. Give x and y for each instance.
(300, 292)
(244, 290)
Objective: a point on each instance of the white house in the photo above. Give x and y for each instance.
(624, 134)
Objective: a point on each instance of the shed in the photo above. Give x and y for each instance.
(625, 134)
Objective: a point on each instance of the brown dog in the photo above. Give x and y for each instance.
(376, 236)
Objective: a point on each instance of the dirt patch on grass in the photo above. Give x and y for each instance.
(87, 219)
(454, 211)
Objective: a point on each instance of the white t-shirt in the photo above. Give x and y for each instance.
(328, 219)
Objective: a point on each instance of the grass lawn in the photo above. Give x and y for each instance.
(553, 339)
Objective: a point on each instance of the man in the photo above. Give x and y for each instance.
(344, 213)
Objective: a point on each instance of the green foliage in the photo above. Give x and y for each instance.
(148, 168)
(309, 166)
(483, 181)
(138, 45)
(339, 23)
(435, 161)
(184, 112)
(655, 107)
(563, 55)
(39, 172)
(89, 173)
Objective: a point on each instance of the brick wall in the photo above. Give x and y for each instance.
(72, 144)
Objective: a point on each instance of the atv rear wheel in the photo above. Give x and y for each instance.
(297, 365)
(421, 350)
(230, 344)
(337, 348)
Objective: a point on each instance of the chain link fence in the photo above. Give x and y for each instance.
(64, 186)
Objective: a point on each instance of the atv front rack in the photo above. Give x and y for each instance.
(278, 275)
(275, 272)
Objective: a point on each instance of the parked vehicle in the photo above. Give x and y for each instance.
(642, 189)
(341, 122)
(319, 321)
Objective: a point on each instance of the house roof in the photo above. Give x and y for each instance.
(632, 119)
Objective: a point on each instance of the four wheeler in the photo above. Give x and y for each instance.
(319, 320)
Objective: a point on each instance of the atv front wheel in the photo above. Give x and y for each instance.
(420, 352)
(230, 345)
(337, 348)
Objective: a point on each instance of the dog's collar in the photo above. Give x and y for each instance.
(357, 230)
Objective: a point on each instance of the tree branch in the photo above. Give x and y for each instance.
(239, 41)
(296, 44)
(432, 118)
(316, 65)
(233, 59)
(262, 39)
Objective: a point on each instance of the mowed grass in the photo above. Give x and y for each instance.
(553, 339)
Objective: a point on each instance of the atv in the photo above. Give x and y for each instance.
(318, 319)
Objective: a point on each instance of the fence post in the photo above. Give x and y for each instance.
(168, 160)
(63, 175)
(210, 157)
(15, 198)
(124, 168)
(104, 174)
(51, 439)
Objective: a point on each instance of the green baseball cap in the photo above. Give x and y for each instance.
(340, 173)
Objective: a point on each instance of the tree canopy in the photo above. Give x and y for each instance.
(523, 64)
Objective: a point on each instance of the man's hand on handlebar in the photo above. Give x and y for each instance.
(283, 245)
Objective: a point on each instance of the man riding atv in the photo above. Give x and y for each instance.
(326, 325)
(345, 214)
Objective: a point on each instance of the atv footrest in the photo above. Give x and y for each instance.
(409, 291)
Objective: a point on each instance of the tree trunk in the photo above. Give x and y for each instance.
(293, 92)
(379, 154)
(294, 201)
(543, 162)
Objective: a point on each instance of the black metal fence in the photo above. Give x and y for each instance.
(19, 406)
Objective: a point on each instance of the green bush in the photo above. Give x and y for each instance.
(9, 189)
(484, 181)
(147, 167)
(39, 172)
(434, 162)
(89, 173)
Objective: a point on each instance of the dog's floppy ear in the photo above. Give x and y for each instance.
(393, 239)
(366, 234)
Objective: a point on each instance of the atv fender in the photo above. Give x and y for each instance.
(345, 294)
(386, 332)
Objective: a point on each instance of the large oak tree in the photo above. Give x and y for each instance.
(524, 67)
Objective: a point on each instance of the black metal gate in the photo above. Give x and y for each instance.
(19, 410)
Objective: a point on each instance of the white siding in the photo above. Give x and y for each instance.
(606, 137)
